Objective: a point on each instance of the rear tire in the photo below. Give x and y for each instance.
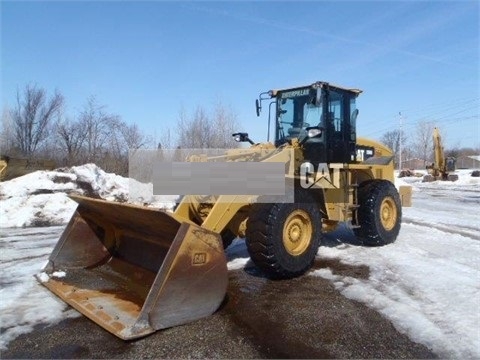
(379, 214)
(283, 238)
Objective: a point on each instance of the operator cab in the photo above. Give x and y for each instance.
(331, 109)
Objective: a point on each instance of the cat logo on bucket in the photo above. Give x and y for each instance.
(199, 258)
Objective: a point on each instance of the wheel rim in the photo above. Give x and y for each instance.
(297, 232)
(388, 213)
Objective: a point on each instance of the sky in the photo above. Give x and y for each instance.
(146, 61)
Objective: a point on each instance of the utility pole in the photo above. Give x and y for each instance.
(400, 142)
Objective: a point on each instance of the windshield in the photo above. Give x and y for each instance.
(296, 110)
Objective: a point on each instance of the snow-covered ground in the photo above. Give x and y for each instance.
(23, 303)
(427, 283)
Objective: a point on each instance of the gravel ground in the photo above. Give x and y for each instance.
(299, 318)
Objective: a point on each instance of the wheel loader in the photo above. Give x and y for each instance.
(134, 270)
(12, 167)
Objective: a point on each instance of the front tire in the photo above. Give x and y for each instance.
(379, 214)
(283, 238)
(227, 238)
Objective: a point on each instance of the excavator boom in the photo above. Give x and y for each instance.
(438, 151)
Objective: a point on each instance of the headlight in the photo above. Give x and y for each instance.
(314, 132)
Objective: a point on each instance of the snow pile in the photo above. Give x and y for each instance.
(40, 198)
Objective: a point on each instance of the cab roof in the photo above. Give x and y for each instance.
(317, 85)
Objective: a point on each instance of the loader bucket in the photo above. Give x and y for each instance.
(134, 270)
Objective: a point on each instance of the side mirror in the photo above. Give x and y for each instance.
(242, 137)
(258, 107)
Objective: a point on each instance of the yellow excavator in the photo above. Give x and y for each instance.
(442, 167)
(134, 270)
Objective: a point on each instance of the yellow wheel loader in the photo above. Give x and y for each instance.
(134, 270)
(3, 167)
(12, 167)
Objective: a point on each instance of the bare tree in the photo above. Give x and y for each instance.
(97, 124)
(392, 140)
(71, 138)
(164, 144)
(224, 125)
(202, 131)
(37, 127)
(32, 116)
(165, 140)
(7, 138)
(133, 138)
(195, 132)
(422, 141)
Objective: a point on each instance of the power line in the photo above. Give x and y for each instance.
(414, 120)
(441, 106)
(411, 125)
